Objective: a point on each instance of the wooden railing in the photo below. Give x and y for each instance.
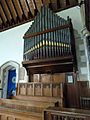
(85, 102)
(40, 89)
(66, 114)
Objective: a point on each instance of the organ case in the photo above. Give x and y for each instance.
(49, 44)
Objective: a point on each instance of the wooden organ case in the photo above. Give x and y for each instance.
(49, 48)
(49, 44)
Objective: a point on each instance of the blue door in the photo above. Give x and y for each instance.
(11, 89)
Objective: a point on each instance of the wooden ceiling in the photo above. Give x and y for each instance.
(16, 12)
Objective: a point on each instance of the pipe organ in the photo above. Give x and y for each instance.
(49, 36)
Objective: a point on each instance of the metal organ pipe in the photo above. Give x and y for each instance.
(51, 44)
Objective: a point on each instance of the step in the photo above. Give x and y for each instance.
(13, 114)
(32, 106)
(40, 99)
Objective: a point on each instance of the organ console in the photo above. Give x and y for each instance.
(50, 38)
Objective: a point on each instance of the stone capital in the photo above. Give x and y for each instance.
(85, 32)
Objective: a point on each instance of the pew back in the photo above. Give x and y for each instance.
(56, 113)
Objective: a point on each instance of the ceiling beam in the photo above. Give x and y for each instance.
(24, 8)
(12, 21)
(62, 4)
(65, 7)
(18, 9)
(12, 9)
(36, 10)
(17, 12)
(53, 4)
(29, 14)
(23, 15)
(1, 21)
(46, 2)
(72, 2)
(6, 10)
(31, 6)
(39, 4)
(3, 16)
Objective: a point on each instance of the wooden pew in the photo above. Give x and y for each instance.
(30, 105)
(40, 89)
(85, 103)
(84, 93)
(57, 113)
(13, 114)
(31, 100)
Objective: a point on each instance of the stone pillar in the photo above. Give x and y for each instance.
(81, 57)
(85, 33)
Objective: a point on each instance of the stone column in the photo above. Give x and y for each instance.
(85, 33)
(81, 57)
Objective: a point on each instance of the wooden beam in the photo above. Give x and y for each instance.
(53, 65)
(6, 10)
(18, 9)
(1, 21)
(12, 20)
(36, 9)
(32, 7)
(29, 14)
(65, 7)
(4, 18)
(46, 31)
(46, 2)
(33, 4)
(53, 4)
(27, 9)
(72, 2)
(62, 3)
(15, 25)
(38, 4)
(23, 15)
(24, 8)
(12, 9)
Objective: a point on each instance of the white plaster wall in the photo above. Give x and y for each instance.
(23, 77)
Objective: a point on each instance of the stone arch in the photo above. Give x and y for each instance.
(9, 65)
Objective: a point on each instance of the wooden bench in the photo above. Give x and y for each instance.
(41, 99)
(40, 89)
(13, 114)
(57, 113)
(30, 105)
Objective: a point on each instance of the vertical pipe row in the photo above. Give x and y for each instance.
(50, 44)
(38, 37)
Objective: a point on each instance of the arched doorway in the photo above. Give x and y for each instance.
(9, 78)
